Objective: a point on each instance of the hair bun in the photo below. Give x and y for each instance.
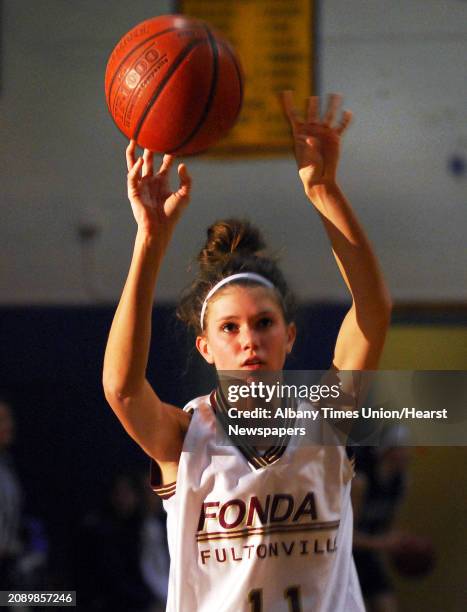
(227, 237)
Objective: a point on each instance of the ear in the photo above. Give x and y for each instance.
(202, 345)
(291, 335)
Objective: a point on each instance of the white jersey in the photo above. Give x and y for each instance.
(252, 533)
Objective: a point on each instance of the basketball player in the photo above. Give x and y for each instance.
(249, 530)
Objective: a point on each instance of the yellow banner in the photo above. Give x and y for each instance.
(274, 40)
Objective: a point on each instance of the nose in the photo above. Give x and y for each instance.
(248, 338)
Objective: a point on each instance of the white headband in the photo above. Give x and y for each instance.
(228, 279)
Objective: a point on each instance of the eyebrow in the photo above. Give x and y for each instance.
(259, 314)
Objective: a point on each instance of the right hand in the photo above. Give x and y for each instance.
(155, 207)
(316, 139)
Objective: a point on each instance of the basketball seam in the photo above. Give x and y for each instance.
(117, 70)
(143, 42)
(178, 60)
(208, 105)
(135, 91)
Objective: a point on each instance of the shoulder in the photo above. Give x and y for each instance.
(202, 407)
(163, 477)
(197, 403)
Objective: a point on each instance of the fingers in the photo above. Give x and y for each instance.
(334, 103)
(185, 180)
(333, 109)
(134, 165)
(148, 159)
(345, 122)
(130, 155)
(133, 173)
(312, 112)
(167, 162)
(288, 107)
(148, 162)
(331, 115)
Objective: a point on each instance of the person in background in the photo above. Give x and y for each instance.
(108, 549)
(23, 539)
(378, 490)
(154, 560)
(10, 501)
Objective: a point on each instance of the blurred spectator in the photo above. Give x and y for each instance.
(23, 544)
(108, 549)
(10, 501)
(155, 560)
(377, 492)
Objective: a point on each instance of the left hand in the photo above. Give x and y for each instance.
(155, 206)
(316, 140)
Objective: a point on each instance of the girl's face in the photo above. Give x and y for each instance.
(245, 330)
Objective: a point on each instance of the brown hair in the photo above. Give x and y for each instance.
(232, 246)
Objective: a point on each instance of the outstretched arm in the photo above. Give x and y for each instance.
(156, 426)
(317, 146)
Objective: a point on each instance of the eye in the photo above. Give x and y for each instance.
(265, 322)
(229, 328)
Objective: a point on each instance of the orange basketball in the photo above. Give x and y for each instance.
(174, 85)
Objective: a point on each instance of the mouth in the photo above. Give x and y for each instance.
(253, 363)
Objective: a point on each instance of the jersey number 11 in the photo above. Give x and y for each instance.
(291, 594)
